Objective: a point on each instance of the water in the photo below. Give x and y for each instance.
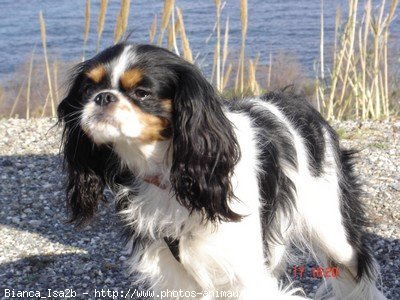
(289, 26)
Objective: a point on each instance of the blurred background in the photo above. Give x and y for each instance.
(343, 55)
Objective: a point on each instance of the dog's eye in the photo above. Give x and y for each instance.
(87, 88)
(141, 94)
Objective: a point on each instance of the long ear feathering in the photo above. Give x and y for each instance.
(84, 161)
(205, 148)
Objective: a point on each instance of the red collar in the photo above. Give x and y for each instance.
(155, 180)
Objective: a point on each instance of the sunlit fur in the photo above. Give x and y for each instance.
(212, 194)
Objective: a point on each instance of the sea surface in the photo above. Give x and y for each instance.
(289, 26)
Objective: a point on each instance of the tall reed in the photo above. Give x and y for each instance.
(217, 61)
(225, 72)
(153, 29)
(87, 27)
(269, 71)
(358, 84)
(167, 11)
(187, 52)
(252, 83)
(16, 100)
(321, 48)
(239, 83)
(44, 44)
(55, 76)
(28, 88)
(45, 105)
(174, 28)
(122, 20)
(101, 21)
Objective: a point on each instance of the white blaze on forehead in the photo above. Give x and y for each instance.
(120, 65)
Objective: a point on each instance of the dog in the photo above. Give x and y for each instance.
(212, 193)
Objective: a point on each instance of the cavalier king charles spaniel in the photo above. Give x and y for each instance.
(213, 194)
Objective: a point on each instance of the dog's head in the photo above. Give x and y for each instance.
(130, 98)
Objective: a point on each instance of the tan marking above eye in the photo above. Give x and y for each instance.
(97, 73)
(166, 104)
(131, 78)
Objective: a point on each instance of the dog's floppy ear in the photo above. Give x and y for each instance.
(84, 161)
(205, 148)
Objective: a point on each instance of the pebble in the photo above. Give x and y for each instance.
(39, 250)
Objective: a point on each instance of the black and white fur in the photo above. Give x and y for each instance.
(240, 181)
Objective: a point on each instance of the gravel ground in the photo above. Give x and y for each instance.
(38, 251)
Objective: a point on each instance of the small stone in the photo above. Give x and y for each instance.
(35, 223)
(6, 163)
(16, 220)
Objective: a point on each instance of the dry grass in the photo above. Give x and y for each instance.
(122, 20)
(358, 85)
(16, 102)
(44, 44)
(217, 53)
(55, 80)
(283, 70)
(239, 83)
(167, 11)
(187, 52)
(226, 71)
(153, 29)
(269, 72)
(87, 27)
(252, 83)
(28, 88)
(100, 22)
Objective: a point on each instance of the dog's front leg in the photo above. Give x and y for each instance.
(167, 277)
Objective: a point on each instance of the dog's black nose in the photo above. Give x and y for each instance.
(105, 98)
